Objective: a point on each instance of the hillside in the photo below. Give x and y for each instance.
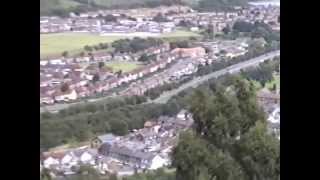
(62, 7)
(56, 7)
(48, 7)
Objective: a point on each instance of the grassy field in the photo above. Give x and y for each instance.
(55, 44)
(124, 66)
(52, 45)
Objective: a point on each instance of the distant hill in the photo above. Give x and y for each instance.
(58, 7)
(49, 7)
(62, 7)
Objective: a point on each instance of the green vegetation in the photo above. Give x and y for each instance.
(209, 5)
(230, 139)
(63, 7)
(264, 73)
(52, 45)
(83, 122)
(160, 174)
(55, 44)
(123, 66)
(274, 83)
(256, 30)
(134, 45)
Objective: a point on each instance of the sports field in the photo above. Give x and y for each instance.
(123, 66)
(55, 44)
(52, 45)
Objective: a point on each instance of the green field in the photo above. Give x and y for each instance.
(55, 44)
(123, 66)
(52, 45)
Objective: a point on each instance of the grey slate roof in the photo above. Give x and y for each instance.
(107, 137)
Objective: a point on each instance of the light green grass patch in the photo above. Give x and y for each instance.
(52, 45)
(55, 44)
(123, 66)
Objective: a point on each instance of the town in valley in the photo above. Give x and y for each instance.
(142, 58)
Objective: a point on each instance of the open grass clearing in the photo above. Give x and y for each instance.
(55, 44)
(123, 66)
(52, 45)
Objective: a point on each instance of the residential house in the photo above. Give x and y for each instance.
(46, 99)
(190, 52)
(65, 96)
(106, 138)
(143, 160)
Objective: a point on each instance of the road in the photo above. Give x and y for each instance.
(231, 69)
(57, 107)
(194, 83)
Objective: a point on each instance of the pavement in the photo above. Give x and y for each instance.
(193, 83)
(231, 69)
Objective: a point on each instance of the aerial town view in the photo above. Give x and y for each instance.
(159, 90)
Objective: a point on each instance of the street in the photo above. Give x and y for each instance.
(194, 83)
(231, 69)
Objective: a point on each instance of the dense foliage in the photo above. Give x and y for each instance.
(159, 174)
(209, 5)
(134, 45)
(59, 7)
(160, 18)
(256, 30)
(82, 122)
(229, 140)
(263, 73)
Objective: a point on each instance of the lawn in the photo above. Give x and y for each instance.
(55, 44)
(52, 45)
(123, 66)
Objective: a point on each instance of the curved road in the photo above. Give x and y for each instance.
(193, 83)
(231, 69)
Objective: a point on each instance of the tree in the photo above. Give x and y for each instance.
(243, 26)
(45, 174)
(259, 153)
(274, 87)
(96, 48)
(65, 87)
(103, 45)
(226, 30)
(110, 18)
(209, 5)
(96, 78)
(101, 65)
(119, 126)
(143, 58)
(82, 54)
(179, 44)
(229, 129)
(160, 18)
(65, 54)
(88, 48)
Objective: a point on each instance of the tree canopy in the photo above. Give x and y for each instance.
(230, 138)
